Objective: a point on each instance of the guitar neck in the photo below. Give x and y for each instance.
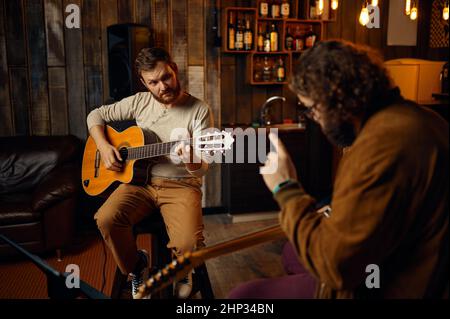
(154, 150)
(245, 241)
(182, 265)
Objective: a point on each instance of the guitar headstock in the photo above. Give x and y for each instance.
(176, 270)
(213, 142)
(181, 266)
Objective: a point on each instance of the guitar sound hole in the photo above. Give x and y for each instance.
(123, 153)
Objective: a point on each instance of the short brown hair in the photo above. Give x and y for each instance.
(149, 57)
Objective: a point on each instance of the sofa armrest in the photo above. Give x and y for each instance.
(61, 183)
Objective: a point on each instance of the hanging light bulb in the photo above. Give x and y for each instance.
(321, 6)
(375, 3)
(334, 4)
(408, 7)
(414, 11)
(364, 15)
(445, 12)
(413, 15)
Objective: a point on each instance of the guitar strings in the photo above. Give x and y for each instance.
(153, 150)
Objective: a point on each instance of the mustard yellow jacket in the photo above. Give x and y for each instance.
(389, 208)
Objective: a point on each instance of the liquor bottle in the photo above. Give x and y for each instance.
(257, 70)
(267, 70)
(281, 71)
(310, 39)
(264, 9)
(275, 9)
(299, 42)
(231, 33)
(260, 45)
(248, 36)
(239, 36)
(273, 39)
(289, 40)
(267, 41)
(300, 111)
(285, 9)
(312, 9)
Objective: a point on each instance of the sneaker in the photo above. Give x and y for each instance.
(183, 287)
(138, 280)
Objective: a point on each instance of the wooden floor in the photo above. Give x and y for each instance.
(19, 278)
(228, 271)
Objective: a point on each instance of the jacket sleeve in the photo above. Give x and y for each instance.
(367, 219)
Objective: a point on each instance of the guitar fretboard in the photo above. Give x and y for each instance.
(153, 150)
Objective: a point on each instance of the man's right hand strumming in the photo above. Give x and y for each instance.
(109, 154)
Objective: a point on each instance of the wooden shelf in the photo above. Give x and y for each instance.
(304, 21)
(255, 71)
(270, 53)
(268, 83)
(238, 52)
(282, 24)
(249, 12)
(272, 19)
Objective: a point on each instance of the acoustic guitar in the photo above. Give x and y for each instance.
(181, 266)
(137, 148)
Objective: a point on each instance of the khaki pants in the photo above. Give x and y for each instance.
(180, 204)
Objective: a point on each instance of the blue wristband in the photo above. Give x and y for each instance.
(283, 184)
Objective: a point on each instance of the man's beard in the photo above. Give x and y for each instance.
(340, 133)
(172, 96)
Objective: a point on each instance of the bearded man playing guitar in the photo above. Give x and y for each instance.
(173, 188)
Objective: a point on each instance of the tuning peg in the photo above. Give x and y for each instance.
(174, 264)
(165, 273)
(149, 283)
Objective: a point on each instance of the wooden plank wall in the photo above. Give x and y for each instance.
(52, 76)
(241, 102)
(351, 30)
(6, 118)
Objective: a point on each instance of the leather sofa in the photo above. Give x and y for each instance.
(39, 187)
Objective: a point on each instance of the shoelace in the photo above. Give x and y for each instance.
(184, 280)
(137, 281)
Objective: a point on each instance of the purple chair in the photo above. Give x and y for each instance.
(298, 284)
(290, 261)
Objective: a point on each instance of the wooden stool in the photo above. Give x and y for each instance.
(161, 256)
(202, 283)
